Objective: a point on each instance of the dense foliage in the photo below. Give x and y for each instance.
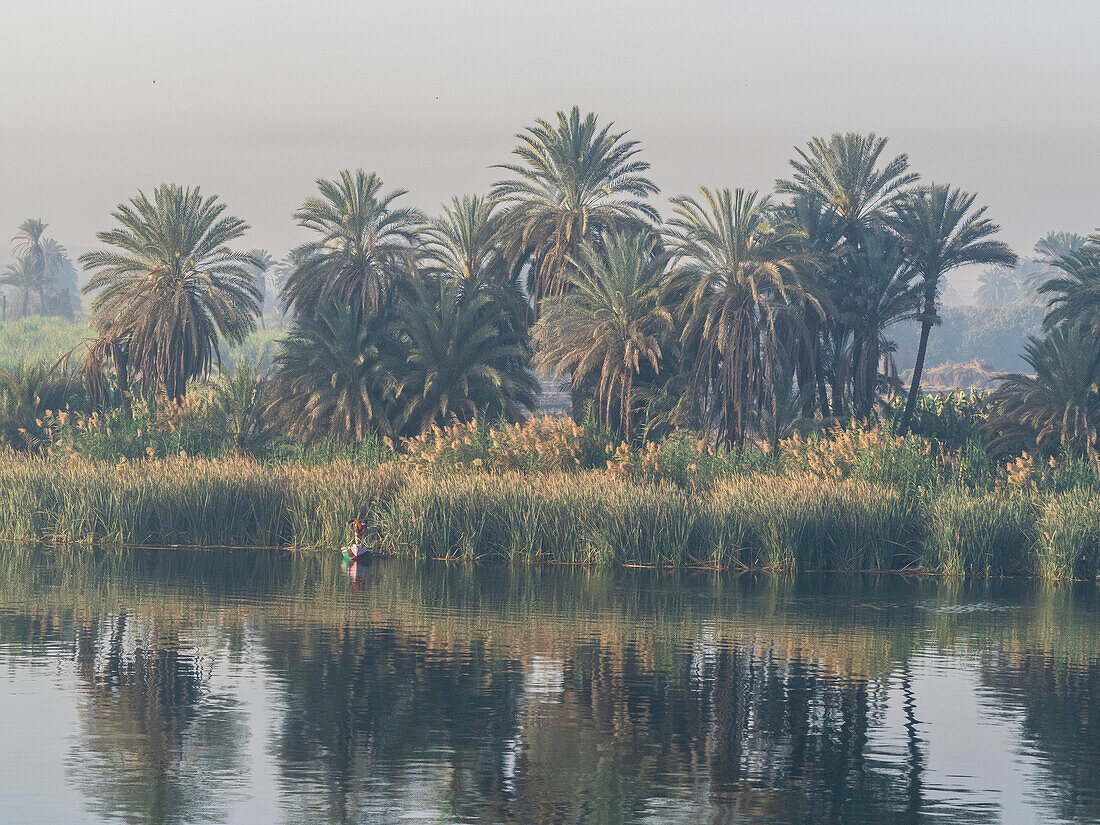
(777, 332)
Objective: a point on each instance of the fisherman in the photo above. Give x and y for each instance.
(358, 530)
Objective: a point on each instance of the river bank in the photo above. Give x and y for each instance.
(758, 520)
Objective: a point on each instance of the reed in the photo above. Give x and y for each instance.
(758, 520)
(981, 534)
(1068, 536)
(183, 501)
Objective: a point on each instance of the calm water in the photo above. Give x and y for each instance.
(167, 686)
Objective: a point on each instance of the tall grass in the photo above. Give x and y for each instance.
(982, 534)
(196, 502)
(1068, 536)
(757, 521)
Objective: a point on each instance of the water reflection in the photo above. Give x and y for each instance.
(243, 687)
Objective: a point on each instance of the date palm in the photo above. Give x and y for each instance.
(1048, 250)
(42, 266)
(100, 356)
(842, 188)
(22, 275)
(1054, 246)
(1073, 293)
(997, 287)
(611, 322)
(941, 231)
(845, 174)
(171, 287)
(60, 278)
(331, 378)
(27, 391)
(1060, 404)
(363, 244)
(573, 182)
(460, 361)
(29, 244)
(738, 270)
(886, 296)
(817, 229)
(240, 401)
(463, 246)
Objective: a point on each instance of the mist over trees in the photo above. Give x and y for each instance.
(41, 279)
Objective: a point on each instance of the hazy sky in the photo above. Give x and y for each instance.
(253, 100)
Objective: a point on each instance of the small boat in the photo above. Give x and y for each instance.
(355, 552)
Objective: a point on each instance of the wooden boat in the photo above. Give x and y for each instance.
(355, 552)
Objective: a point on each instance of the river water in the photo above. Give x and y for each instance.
(262, 687)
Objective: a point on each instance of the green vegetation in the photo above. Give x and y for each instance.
(551, 491)
(171, 289)
(38, 339)
(735, 368)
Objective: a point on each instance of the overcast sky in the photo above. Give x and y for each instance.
(253, 100)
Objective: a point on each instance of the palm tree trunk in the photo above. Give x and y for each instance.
(858, 384)
(628, 398)
(838, 395)
(806, 371)
(822, 392)
(123, 374)
(872, 361)
(918, 368)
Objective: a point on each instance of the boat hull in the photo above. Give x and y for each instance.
(356, 552)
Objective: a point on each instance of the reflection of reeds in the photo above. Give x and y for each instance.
(210, 598)
(798, 521)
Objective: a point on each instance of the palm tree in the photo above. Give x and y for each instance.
(844, 173)
(1074, 289)
(241, 399)
(60, 277)
(1060, 404)
(21, 274)
(364, 245)
(573, 183)
(940, 232)
(1054, 246)
(817, 227)
(29, 244)
(611, 321)
(1040, 268)
(997, 287)
(463, 246)
(460, 360)
(331, 378)
(171, 287)
(885, 296)
(841, 191)
(737, 273)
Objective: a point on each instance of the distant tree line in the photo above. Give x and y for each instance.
(42, 276)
